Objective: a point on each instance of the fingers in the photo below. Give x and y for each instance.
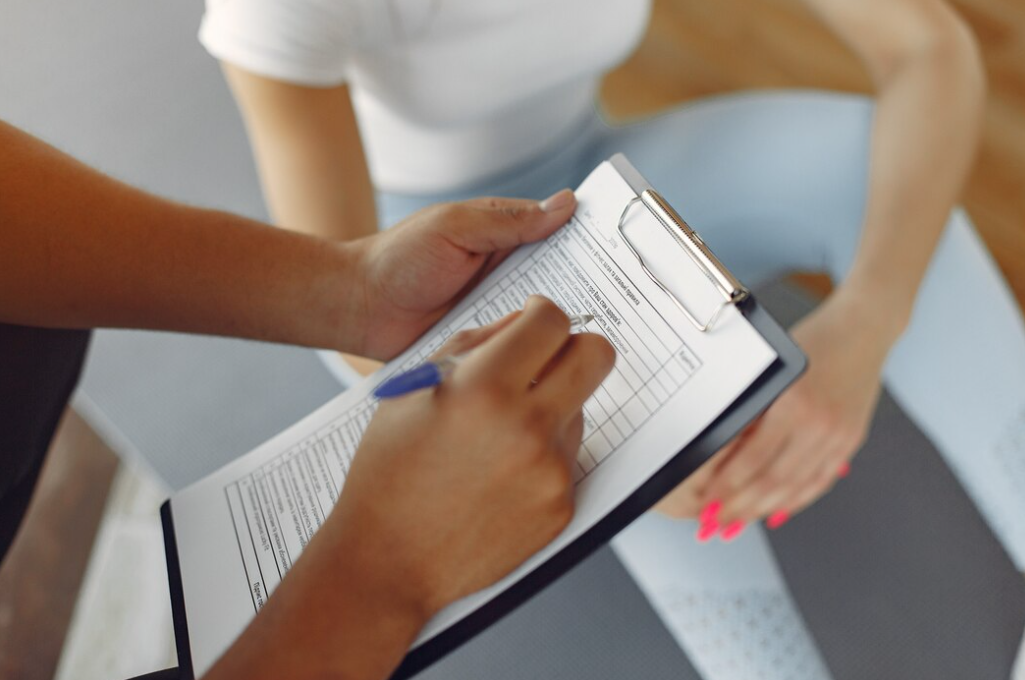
(685, 501)
(753, 450)
(806, 469)
(467, 339)
(833, 469)
(818, 486)
(682, 502)
(572, 435)
(516, 356)
(485, 225)
(575, 373)
(776, 483)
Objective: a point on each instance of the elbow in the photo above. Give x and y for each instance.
(933, 37)
(954, 56)
(954, 49)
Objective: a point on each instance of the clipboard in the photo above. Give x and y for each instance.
(789, 364)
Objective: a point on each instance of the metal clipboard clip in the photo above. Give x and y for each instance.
(732, 291)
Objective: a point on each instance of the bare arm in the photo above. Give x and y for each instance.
(926, 70)
(78, 249)
(930, 85)
(309, 155)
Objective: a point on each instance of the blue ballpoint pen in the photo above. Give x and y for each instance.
(432, 373)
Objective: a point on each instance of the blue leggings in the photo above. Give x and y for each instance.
(776, 182)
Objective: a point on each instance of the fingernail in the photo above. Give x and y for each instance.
(777, 519)
(732, 530)
(709, 512)
(706, 531)
(557, 201)
(843, 470)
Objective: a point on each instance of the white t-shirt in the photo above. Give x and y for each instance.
(447, 92)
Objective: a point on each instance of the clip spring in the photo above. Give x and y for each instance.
(728, 286)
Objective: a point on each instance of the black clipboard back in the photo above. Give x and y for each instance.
(789, 364)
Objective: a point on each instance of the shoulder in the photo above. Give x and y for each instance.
(301, 41)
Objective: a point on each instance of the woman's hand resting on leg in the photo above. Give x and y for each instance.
(794, 453)
(930, 87)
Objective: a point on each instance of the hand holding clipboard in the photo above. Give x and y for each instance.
(687, 378)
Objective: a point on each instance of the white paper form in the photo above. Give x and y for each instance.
(240, 529)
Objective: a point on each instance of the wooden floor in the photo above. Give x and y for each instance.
(696, 48)
(41, 575)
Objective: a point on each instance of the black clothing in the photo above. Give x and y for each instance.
(39, 368)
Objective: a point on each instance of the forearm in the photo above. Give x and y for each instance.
(336, 615)
(82, 250)
(924, 140)
(309, 155)
(930, 88)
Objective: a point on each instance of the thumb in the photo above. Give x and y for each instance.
(492, 224)
(469, 338)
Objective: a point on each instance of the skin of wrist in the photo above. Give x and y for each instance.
(349, 315)
(387, 585)
(343, 609)
(874, 306)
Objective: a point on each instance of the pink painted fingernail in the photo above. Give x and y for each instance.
(843, 470)
(777, 519)
(707, 531)
(732, 530)
(709, 512)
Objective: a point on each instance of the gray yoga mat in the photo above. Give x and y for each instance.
(895, 573)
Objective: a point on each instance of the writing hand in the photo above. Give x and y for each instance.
(416, 271)
(452, 488)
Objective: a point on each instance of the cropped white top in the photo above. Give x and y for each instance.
(447, 92)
